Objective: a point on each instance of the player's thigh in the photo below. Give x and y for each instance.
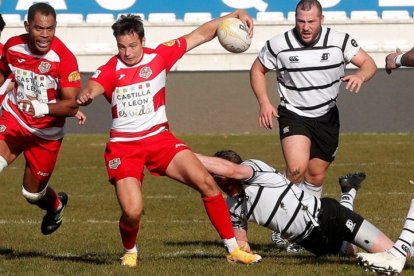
(296, 150)
(11, 138)
(8, 151)
(186, 168)
(41, 156)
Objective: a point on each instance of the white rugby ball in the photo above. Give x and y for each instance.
(233, 36)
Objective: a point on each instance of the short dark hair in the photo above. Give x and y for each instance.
(41, 7)
(2, 23)
(306, 5)
(229, 155)
(127, 24)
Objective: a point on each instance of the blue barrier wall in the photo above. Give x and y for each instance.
(215, 7)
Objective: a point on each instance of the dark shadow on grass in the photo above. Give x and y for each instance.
(267, 251)
(194, 243)
(86, 258)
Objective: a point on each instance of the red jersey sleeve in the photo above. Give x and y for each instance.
(172, 51)
(4, 65)
(69, 75)
(106, 75)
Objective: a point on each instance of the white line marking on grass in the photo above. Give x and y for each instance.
(21, 221)
(161, 197)
(104, 221)
(183, 253)
(396, 163)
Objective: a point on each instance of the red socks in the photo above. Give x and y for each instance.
(128, 234)
(219, 215)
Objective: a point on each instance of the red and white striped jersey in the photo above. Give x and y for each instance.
(137, 93)
(38, 77)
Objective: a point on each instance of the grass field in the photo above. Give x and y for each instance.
(176, 237)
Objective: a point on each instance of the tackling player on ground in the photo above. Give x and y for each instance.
(134, 83)
(259, 193)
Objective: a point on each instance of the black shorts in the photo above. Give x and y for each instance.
(322, 131)
(336, 224)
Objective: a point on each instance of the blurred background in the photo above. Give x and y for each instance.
(208, 90)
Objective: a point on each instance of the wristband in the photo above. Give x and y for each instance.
(398, 60)
(40, 109)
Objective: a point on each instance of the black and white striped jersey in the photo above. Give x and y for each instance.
(309, 76)
(272, 201)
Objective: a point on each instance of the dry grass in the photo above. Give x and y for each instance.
(176, 237)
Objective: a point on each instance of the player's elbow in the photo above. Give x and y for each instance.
(73, 109)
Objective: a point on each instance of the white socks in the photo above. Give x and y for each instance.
(230, 244)
(311, 189)
(347, 199)
(404, 243)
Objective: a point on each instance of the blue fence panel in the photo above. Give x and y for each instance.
(215, 7)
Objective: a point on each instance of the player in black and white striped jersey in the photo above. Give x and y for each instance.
(259, 193)
(310, 62)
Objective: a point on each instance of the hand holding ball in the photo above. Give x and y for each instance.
(233, 35)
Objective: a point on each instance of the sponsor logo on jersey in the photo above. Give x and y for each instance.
(293, 59)
(96, 74)
(74, 76)
(44, 174)
(325, 57)
(3, 128)
(21, 60)
(179, 145)
(114, 163)
(145, 72)
(121, 76)
(350, 225)
(169, 43)
(44, 67)
(354, 43)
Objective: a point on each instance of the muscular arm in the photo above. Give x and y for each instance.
(65, 107)
(259, 85)
(88, 93)
(403, 59)
(366, 70)
(225, 168)
(208, 30)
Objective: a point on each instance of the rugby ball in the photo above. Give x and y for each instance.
(233, 36)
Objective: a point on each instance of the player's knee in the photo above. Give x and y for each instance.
(295, 174)
(33, 197)
(3, 163)
(209, 186)
(132, 215)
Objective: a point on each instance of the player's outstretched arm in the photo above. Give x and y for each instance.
(208, 30)
(222, 167)
(88, 93)
(398, 58)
